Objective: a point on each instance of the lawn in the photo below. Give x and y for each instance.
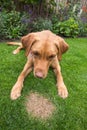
(70, 113)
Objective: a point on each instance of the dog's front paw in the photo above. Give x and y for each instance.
(62, 91)
(15, 92)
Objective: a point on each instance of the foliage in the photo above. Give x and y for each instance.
(83, 24)
(42, 24)
(5, 4)
(12, 25)
(9, 5)
(82, 29)
(29, 1)
(40, 15)
(55, 24)
(68, 28)
(67, 11)
(2, 26)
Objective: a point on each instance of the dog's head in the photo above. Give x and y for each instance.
(44, 47)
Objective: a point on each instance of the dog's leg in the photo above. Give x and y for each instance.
(18, 49)
(16, 90)
(17, 44)
(62, 90)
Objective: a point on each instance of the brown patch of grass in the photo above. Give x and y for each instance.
(39, 106)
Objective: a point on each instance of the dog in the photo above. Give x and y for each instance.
(43, 50)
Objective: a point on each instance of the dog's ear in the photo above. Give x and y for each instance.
(62, 47)
(28, 41)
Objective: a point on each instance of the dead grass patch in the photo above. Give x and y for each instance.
(39, 106)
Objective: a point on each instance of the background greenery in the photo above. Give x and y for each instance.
(17, 18)
(70, 113)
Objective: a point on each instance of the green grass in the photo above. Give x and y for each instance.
(71, 113)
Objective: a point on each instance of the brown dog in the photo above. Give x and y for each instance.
(43, 49)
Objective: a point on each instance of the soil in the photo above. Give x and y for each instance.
(39, 106)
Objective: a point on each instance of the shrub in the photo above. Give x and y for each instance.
(68, 28)
(83, 29)
(83, 24)
(2, 26)
(12, 25)
(55, 21)
(41, 24)
(55, 24)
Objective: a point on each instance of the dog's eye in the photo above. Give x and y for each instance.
(36, 53)
(51, 57)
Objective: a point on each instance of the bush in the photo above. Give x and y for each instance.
(55, 24)
(2, 26)
(12, 25)
(41, 24)
(68, 28)
(83, 29)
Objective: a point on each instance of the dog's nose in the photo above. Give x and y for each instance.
(39, 74)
